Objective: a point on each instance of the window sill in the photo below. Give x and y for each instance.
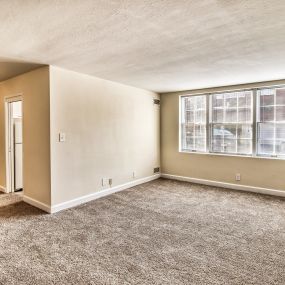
(231, 155)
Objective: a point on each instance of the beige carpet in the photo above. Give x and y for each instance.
(11, 198)
(162, 232)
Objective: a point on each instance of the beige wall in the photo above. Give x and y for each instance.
(266, 173)
(34, 87)
(111, 130)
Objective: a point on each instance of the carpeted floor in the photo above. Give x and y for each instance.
(162, 232)
(11, 198)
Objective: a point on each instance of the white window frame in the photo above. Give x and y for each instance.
(208, 125)
(211, 123)
(181, 112)
(274, 122)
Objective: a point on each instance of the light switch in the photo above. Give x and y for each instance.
(105, 182)
(62, 137)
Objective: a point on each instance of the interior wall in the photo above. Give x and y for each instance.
(112, 130)
(258, 172)
(34, 88)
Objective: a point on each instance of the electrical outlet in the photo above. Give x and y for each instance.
(62, 137)
(134, 174)
(105, 182)
(110, 181)
(238, 177)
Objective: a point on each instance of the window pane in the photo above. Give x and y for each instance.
(266, 97)
(218, 115)
(280, 147)
(280, 113)
(200, 144)
(231, 116)
(217, 138)
(223, 138)
(200, 116)
(193, 119)
(244, 131)
(231, 100)
(200, 102)
(244, 114)
(189, 116)
(244, 99)
(280, 131)
(266, 131)
(230, 145)
(267, 113)
(265, 147)
(189, 130)
(280, 139)
(244, 146)
(280, 96)
(271, 122)
(218, 100)
(229, 131)
(200, 131)
(224, 131)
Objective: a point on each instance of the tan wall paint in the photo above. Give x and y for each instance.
(34, 88)
(267, 173)
(111, 130)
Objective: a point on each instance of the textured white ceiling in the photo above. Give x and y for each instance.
(164, 45)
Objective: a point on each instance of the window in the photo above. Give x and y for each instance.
(249, 122)
(231, 122)
(193, 123)
(271, 122)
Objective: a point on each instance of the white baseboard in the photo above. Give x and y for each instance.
(37, 204)
(103, 193)
(240, 187)
(2, 189)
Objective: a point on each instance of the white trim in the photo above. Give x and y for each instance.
(231, 155)
(9, 140)
(2, 189)
(103, 193)
(37, 204)
(240, 187)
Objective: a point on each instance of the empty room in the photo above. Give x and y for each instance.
(142, 142)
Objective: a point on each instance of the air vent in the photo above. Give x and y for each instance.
(156, 170)
(156, 101)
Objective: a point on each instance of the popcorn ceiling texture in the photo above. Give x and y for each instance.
(160, 45)
(162, 232)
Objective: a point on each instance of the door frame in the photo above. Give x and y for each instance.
(9, 140)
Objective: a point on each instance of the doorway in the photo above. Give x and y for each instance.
(14, 145)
